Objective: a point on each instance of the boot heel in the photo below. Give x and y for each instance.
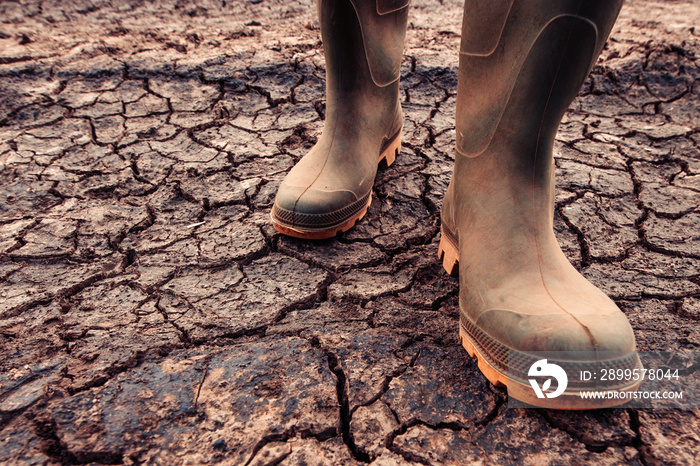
(388, 155)
(448, 253)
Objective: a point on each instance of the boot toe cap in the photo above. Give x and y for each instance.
(610, 332)
(316, 209)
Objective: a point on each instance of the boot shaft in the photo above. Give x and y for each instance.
(368, 33)
(363, 46)
(364, 37)
(522, 62)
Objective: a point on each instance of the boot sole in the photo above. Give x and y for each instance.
(470, 336)
(386, 158)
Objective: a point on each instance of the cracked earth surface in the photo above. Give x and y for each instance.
(149, 313)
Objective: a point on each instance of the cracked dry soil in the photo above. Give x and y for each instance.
(150, 314)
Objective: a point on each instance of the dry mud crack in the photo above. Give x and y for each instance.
(150, 314)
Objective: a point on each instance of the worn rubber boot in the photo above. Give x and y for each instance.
(331, 187)
(521, 64)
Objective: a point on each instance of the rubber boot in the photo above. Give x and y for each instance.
(521, 64)
(330, 188)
